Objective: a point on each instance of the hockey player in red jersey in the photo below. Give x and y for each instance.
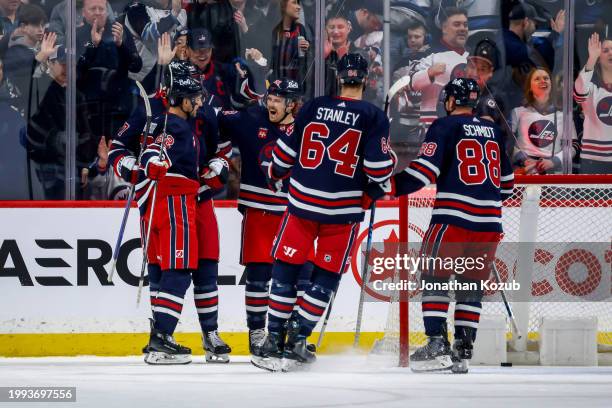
(465, 157)
(174, 173)
(338, 145)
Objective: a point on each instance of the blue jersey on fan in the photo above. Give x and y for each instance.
(254, 135)
(465, 157)
(338, 146)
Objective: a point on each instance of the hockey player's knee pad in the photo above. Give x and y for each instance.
(473, 295)
(285, 273)
(175, 281)
(325, 279)
(258, 272)
(155, 274)
(207, 273)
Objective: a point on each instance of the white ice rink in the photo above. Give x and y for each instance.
(345, 381)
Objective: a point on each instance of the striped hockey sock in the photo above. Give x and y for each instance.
(256, 294)
(434, 305)
(315, 300)
(205, 294)
(304, 283)
(155, 272)
(467, 315)
(283, 295)
(168, 304)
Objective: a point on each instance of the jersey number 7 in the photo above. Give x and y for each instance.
(472, 169)
(343, 150)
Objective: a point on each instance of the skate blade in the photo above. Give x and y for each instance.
(158, 358)
(271, 364)
(289, 365)
(216, 358)
(460, 367)
(442, 363)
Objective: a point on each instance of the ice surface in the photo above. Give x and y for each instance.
(335, 381)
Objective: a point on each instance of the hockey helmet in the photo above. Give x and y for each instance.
(486, 50)
(352, 69)
(182, 86)
(284, 87)
(465, 91)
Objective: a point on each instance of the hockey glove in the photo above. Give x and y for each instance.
(274, 184)
(376, 191)
(215, 175)
(156, 169)
(128, 169)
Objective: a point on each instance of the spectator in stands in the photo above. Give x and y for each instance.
(231, 24)
(8, 21)
(106, 53)
(57, 19)
(180, 44)
(46, 135)
(445, 62)
(538, 126)
(28, 51)
(337, 44)
(146, 24)
(364, 16)
(291, 46)
(593, 90)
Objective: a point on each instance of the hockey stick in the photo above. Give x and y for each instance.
(506, 304)
(130, 199)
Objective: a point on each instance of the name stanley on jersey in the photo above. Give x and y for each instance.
(340, 116)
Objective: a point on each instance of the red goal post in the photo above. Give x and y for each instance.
(567, 208)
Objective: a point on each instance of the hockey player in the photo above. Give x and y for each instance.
(465, 157)
(174, 173)
(338, 145)
(255, 131)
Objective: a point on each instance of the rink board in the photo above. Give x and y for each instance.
(54, 259)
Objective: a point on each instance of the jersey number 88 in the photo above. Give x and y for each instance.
(472, 169)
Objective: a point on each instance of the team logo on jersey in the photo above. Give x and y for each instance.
(288, 251)
(459, 71)
(288, 129)
(178, 253)
(262, 133)
(168, 142)
(542, 133)
(265, 154)
(604, 110)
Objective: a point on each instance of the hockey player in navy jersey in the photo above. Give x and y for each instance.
(339, 144)
(465, 157)
(254, 132)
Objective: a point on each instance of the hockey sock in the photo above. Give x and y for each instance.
(205, 294)
(304, 283)
(258, 277)
(434, 305)
(154, 278)
(168, 304)
(283, 294)
(315, 300)
(467, 310)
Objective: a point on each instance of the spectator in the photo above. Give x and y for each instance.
(290, 46)
(593, 90)
(412, 46)
(538, 126)
(146, 24)
(337, 44)
(46, 135)
(445, 62)
(231, 85)
(29, 47)
(57, 19)
(8, 22)
(231, 24)
(106, 55)
(180, 44)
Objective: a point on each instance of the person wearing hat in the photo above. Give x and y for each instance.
(231, 83)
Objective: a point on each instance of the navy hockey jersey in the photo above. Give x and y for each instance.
(252, 132)
(337, 147)
(465, 157)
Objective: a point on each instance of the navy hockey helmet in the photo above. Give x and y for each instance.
(284, 87)
(352, 69)
(183, 86)
(465, 91)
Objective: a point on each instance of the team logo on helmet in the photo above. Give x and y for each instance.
(262, 133)
(542, 133)
(604, 110)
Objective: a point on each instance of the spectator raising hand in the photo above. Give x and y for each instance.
(117, 34)
(47, 47)
(165, 53)
(97, 29)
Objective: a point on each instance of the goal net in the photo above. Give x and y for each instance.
(562, 223)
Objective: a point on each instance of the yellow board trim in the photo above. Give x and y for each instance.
(127, 344)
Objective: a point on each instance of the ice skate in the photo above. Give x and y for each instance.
(215, 349)
(297, 355)
(268, 354)
(256, 338)
(462, 354)
(434, 356)
(164, 350)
